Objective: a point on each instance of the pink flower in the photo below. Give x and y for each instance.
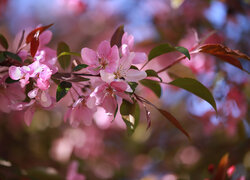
(81, 112)
(11, 96)
(105, 58)
(123, 71)
(39, 98)
(72, 173)
(127, 46)
(105, 95)
(40, 72)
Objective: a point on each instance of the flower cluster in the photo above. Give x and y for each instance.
(113, 65)
(111, 68)
(105, 78)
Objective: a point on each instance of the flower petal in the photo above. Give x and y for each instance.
(135, 75)
(139, 58)
(128, 39)
(107, 77)
(104, 49)
(89, 56)
(15, 72)
(28, 115)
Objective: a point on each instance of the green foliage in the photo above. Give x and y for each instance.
(64, 58)
(4, 42)
(79, 67)
(166, 48)
(153, 85)
(130, 115)
(152, 73)
(196, 88)
(6, 54)
(62, 90)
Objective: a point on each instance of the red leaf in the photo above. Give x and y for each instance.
(222, 168)
(39, 30)
(116, 39)
(224, 53)
(33, 38)
(34, 44)
(174, 121)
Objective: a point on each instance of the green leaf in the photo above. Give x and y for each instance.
(2, 57)
(68, 54)
(64, 60)
(153, 85)
(180, 71)
(62, 90)
(12, 56)
(133, 85)
(174, 121)
(166, 48)
(8, 80)
(196, 88)
(152, 73)
(79, 67)
(134, 67)
(130, 114)
(4, 42)
(116, 39)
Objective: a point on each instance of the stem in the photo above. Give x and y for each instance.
(169, 66)
(83, 74)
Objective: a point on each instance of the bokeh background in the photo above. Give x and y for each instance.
(103, 150)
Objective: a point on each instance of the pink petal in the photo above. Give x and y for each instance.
(139, 58)
(67, 114)
(126, 61)
(135, 75)
(15, 72)
(45, 38)
(113, 60)
(28, 115)
(45, 99)
(89, 56)
(128, 39)
(33, 93)
(124, 96)
(120, 86)
(4, 103)
(104, 49)
(109, 104)
(125, 50)
(41, 84)
(107, 77)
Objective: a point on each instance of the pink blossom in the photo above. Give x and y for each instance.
(127, 46)
(81, 112)
(105, 58)
(72, 173)
(40, 72)
(39, 98)
(11, 96)
(123, 71)
(105, 95)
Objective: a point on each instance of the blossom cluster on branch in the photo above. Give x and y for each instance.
(106, 77)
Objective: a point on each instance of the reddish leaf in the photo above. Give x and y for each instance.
(34, 44)
(33, 38)
(174, 121)
(222, 168)
(117, 36)
(39, 30)
(224, 53)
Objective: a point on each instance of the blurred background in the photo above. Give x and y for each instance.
(103, 150)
